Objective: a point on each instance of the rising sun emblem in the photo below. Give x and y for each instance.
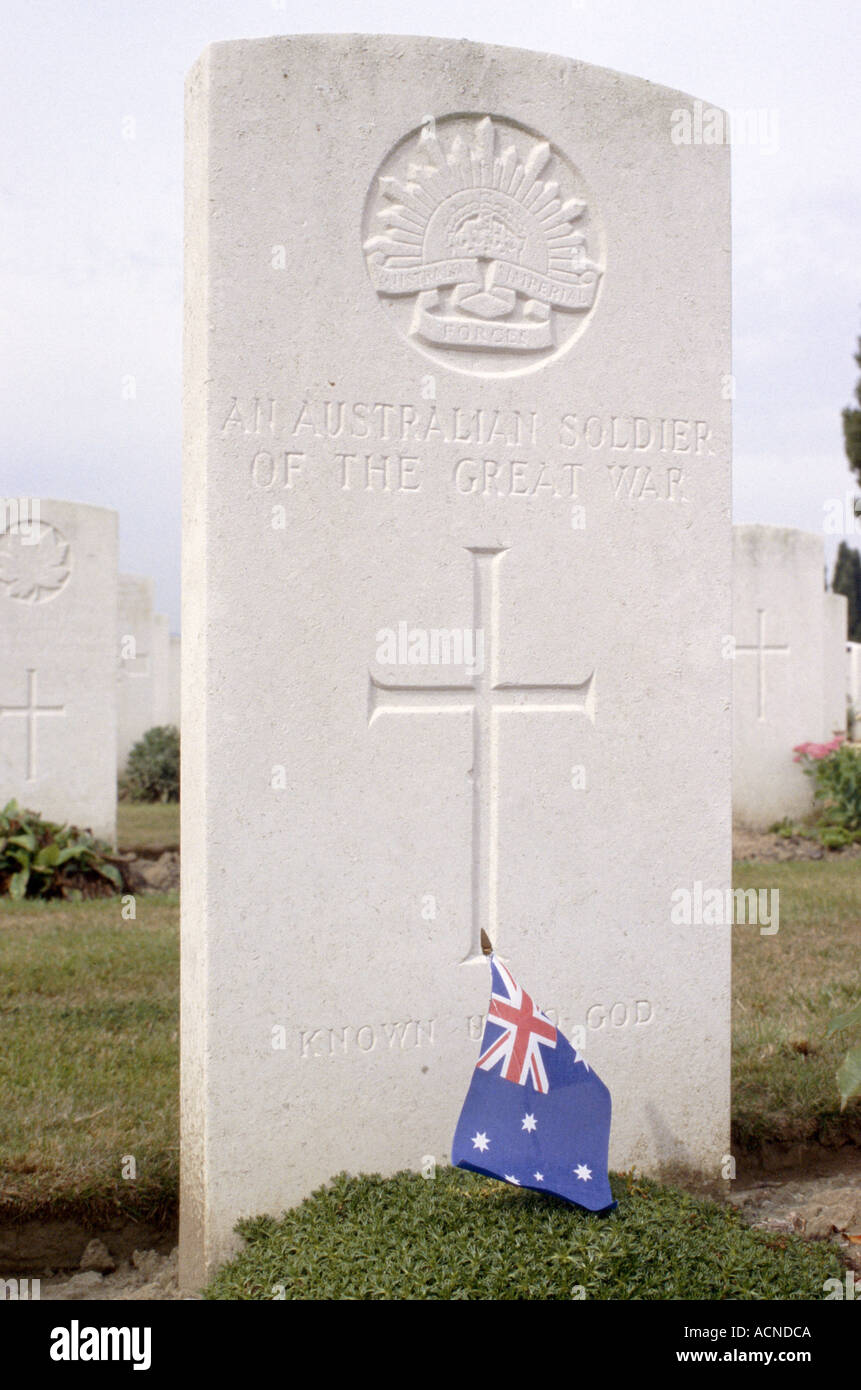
(482, 240)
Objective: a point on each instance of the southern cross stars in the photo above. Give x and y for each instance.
(481, 1142)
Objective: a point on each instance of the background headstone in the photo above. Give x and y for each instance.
(161, 669)
(457, 333)
(834, 664)
(174, 681)
(135, 684)
(58, 697)
(853, 685)
(778, 694)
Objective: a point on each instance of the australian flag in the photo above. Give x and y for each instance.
(535, 1115)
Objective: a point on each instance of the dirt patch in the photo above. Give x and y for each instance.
(763, 844)
(824, 1207)
(153, 871)
(32, 1247)
(148, 1276)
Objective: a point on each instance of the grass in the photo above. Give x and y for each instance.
(88, 1058)
(461, 1236)
(148, 825)
(786, 988)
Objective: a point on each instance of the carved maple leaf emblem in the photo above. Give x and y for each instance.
(34, 563)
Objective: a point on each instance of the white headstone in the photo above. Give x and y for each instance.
(135, 682)
(778, 696)
(174, 679)
(456, 589)
(834, 664)
(161, 669)
(58, 698)
(853, 681)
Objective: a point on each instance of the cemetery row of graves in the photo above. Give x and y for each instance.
(89, 667)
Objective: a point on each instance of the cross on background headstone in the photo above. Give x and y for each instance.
(30, 712)
(486, 697)
(761, 649)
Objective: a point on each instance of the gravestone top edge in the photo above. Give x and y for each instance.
(90, 507)
(470, 48)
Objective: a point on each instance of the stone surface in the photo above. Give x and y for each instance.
(135, 683)
(58, 698)
(853, 679)
(778, 681)
(834, 664)
(174, 706)
(161, 669)
(456, 589)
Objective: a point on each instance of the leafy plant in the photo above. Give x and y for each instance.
(152, 769)
(39, 859)
(836, 772)
(466, 1237)
(849, 1071)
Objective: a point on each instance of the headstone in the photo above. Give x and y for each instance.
(778, 695)
(58, 700)
(853, 681)
(161, 669)
(174, 678)
(135, 682)
(456, 598)
(834, 664)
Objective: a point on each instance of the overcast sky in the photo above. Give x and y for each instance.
(91, 175)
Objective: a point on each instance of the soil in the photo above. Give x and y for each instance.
(756, 844)
(156, 871)
(149, 1276)
(818, 1208)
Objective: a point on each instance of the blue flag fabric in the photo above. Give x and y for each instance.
(535, 1115)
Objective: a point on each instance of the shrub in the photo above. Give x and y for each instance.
(463, 1236)
(836, 772)
(39, 859)
(152, 770)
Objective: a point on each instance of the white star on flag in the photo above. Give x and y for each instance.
(528, 1123)
(539, 1177)
(480, 1142)
(509, 1178)
(578, 1058)
(581, 1171)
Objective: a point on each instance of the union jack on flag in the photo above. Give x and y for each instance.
(525, 1030)
(535, 1115)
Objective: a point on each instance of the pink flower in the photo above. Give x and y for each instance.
(817, 751)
